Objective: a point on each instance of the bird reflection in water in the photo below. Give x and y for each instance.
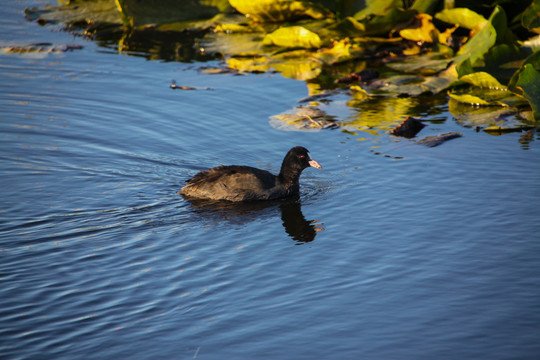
(294, 222)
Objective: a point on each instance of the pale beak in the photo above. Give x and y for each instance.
(315, 164)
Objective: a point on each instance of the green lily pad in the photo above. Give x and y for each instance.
(461, 16)
(529, 83)
(428, 64)
(425, 6)
(478, 45)
(469, 99)
(378, 25)
(485, 117)
(534, 60)
(414, 85)
(500, 24)
(483, 80)
(487, 97)
(530, 18)
(378, 7)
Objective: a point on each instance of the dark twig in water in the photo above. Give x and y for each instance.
(433, 141)
(183, 87)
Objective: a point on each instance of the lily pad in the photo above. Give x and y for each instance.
(339, 52)
(303, 118)
(529, 83)
(378, 7)
(279, 10)
(530, 19)
(478, 45)
(485, 116)
(414, 85)
(379, 25)
(422, 30)
(461, 16)
(428, 64)
(487, 97)
(469, 99)
(293, 37)
(483, 80)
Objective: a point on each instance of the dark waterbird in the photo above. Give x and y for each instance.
(246, 183)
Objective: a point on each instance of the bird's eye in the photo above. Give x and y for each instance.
(302, 156)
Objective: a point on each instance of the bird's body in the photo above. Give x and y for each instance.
(246, 183)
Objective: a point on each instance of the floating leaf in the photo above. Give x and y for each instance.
(446, 36)
(461, 16)
(429, 63)
(487, 97)
(501, 54)
(422, 30)
(303, 118)
(279, 10)
(339, 52)
(233, 28)
(484, 116)
(500, 23)
(478, 45)
(483, 80)
(293, 36)
(414, 85)
(378, 7)
(235, 44)
(382, 25)
(529, 83)
(139, 13)
(376, 25)
(530, 18)
(469, 99)
(425, 6)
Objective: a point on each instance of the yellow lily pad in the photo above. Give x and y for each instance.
(461, 16)
(469, 99)
(293, 36)
(422, 30)
(279, 10)
(483, 80)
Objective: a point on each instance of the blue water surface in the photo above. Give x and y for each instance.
(425, 253)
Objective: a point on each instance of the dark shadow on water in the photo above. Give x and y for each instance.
(293, 220)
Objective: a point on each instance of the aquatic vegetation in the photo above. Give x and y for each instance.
(483, 55)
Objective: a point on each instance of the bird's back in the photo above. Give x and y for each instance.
(235, 183)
